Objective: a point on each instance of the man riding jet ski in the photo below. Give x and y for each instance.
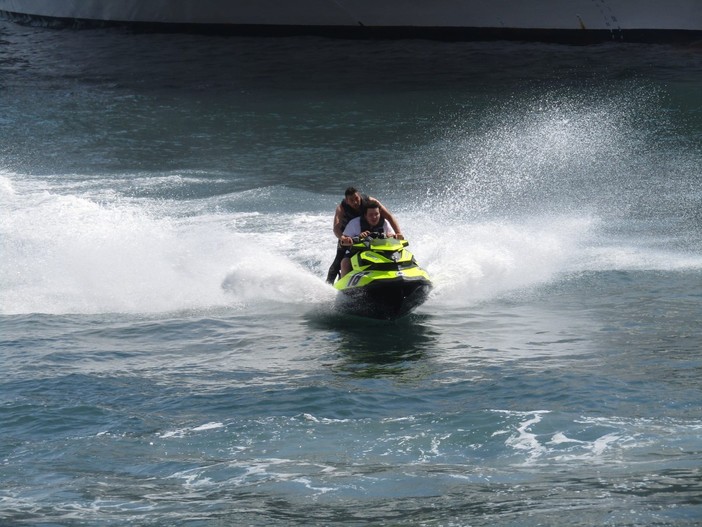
(352, 206)
(379, 277)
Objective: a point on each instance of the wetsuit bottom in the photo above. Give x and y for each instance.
(336, 265)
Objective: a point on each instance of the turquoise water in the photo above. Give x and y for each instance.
(170, 352)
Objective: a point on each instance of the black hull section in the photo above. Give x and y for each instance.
(563, 36)
(385, 300)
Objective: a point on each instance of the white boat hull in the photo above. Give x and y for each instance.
(585, 19)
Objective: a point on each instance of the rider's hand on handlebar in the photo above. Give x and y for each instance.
(345, 240)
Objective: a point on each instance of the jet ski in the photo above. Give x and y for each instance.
(385, 281)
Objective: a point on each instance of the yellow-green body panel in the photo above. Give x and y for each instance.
(362, 276)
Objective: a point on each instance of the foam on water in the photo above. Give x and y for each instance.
(561, 150)
(69, 253)
(82, 252)
(478, 261)
(551, 185)
(72, 253)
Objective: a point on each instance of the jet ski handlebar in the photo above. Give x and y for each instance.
(371, 235)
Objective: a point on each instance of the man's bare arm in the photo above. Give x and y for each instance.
(338, 218)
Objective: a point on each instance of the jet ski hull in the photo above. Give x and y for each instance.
(385, 300)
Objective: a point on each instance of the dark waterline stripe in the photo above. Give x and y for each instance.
(562, 36)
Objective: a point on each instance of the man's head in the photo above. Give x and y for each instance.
(353, 198)
(372, 213)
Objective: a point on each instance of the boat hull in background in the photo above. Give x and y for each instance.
(545, 20)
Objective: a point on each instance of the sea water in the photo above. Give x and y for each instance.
(169, 350)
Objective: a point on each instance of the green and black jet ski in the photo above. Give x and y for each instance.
(385, 281)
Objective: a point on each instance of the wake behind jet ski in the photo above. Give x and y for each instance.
(385, 281)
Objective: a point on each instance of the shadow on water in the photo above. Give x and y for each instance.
(373, 348)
